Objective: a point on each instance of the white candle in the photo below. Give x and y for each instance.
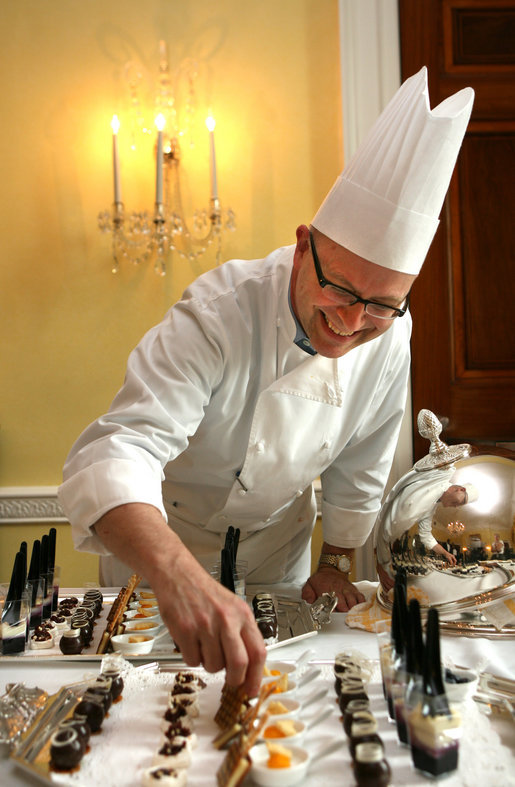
(160, 124)
(211, 123)
(115, 125)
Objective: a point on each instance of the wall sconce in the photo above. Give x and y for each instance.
(141, 236)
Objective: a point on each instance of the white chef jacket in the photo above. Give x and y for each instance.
(223, 420)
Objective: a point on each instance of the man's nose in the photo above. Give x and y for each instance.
(353, 317)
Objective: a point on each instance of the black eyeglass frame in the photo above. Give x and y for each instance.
(323, 282)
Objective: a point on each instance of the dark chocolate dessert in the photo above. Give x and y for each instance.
(66, 749)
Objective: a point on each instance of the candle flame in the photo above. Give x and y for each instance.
(210, 123)
(115, 124)
(160, 122)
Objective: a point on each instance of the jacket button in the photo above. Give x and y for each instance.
(260, 447)
(298, 493)
(242, 492)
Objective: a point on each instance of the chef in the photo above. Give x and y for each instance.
(264, 376)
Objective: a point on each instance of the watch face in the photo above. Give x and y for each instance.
(344, 564)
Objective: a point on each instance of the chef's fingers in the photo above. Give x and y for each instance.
(245, 653)
(213, 659)
(349, 598)
(256, 654)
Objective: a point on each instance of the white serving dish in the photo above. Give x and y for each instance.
(282, 667)
(278, 777)
(460, 692)
(150, 627)
(293, 707)
(122, 644)
(288, 740)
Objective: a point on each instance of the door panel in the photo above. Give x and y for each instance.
(463, 344)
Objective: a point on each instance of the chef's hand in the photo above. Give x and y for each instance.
(210, 625)
(328, 579)
(440, 550)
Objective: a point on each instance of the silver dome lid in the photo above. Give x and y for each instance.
(449, 525)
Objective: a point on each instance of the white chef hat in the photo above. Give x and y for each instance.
(385, 204)
(472, 493)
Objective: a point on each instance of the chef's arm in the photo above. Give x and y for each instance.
(327, 579)
(210, 625)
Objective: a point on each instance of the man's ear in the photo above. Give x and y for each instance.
(302, 245)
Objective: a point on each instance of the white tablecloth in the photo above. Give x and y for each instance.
(494, 655)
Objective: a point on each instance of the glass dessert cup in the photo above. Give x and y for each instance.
(434, 732)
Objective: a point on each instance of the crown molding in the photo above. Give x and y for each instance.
(22, 504)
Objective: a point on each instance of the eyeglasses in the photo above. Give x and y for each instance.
(343, 297)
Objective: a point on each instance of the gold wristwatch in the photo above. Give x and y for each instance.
(342, 562)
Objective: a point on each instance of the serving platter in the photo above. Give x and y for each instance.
(131, 735)
(294, 618)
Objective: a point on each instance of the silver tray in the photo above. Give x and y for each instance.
(296, 620)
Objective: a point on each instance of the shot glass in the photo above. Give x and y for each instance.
(14, 614)
(240, 576)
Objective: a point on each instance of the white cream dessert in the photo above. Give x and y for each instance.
(173, 754)
(185, 695)
(185, 678)
(182, 723)
(186, 701)
(164, 776)
(173, 735)
(60, 622)
(42, 640)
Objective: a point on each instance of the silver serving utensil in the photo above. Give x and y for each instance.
(57, 708)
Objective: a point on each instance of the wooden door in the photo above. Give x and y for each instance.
(463, 302)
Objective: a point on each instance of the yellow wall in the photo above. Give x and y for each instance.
(270, 72)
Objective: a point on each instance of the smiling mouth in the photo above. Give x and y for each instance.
(335, 329)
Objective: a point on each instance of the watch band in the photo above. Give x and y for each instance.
(342, 562)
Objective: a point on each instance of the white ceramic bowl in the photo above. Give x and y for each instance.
(144, 616)
(459, 692)
(292, 706)
(295, 738)
(151, 627)
(145, 606)
(122, 643)
(280, 667)
(278, 777)
(289, 691)
(147, 595)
